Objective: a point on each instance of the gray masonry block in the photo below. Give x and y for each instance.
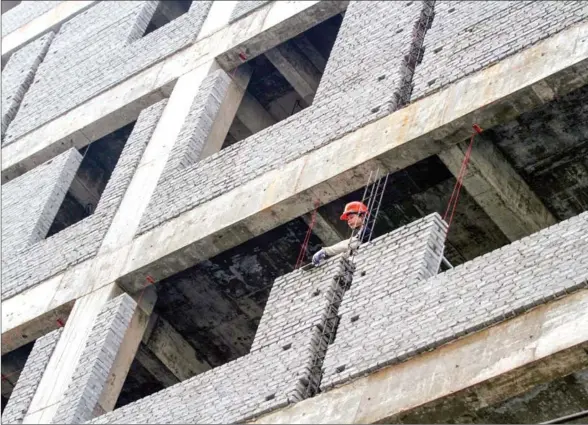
(468, 36)
(373, 41)
(29, 379)
(82, 240)
(97, 49)
(283, 366)
(24, 13)
(30, 202)
(90, 377)
(244, 8)
(387, 317)
(18, 75)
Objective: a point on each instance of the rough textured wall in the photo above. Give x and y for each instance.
(81, 240)
(277, 371)
(80, 401)
(25, 12)
(30, 202)
(198, 124)
(29, 379)
(96, 50)
(244, 8)
(467, 36)
(368, 29)
(396, 319)
(18, 75)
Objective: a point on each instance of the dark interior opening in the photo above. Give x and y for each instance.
(12, 366)
(270, 97)
(167, 11)
(99, 161)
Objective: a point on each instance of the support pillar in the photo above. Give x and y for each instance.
(298, 70)
(253, 115)
(499, 189)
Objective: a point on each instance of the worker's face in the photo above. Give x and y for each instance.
(355, 221)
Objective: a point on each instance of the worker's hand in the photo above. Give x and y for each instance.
(318, 257)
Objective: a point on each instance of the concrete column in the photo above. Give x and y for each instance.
(498, 189)
(144, 181)
(324, 229)
(169, 347)
(298, 70)
(66, 356)
(104, 363)
(155, 367)
(253, 115)
(315, 57)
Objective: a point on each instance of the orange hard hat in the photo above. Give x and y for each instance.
(354, 207)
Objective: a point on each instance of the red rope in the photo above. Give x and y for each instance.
(453, 200)
(304, 246)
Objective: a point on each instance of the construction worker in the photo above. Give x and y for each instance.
(355, 215)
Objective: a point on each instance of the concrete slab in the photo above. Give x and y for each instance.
(510, 358)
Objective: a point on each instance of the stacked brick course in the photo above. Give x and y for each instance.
(18, 75)
(23, 13)
(279, 370)
(30, 203)
(96, 50)
(372, 43)
(29, 379)
(80, 401)
(81, 240)
(467, 36)
(386, 319)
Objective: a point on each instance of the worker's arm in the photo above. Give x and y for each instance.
(340, 247)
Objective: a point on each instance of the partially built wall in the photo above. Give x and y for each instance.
(168, 166)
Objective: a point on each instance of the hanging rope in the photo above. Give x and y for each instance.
(453, 200)
(304, 246)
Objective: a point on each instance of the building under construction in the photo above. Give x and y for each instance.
(169, 169)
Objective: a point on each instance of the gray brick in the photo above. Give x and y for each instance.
(401, 314)
(25, 12)
(82, 240)
(29, 379)
(30, 202)
(373, 41)
(96, 50)
(468, 36)
(96, 361)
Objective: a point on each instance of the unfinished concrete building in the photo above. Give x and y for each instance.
(166, 164)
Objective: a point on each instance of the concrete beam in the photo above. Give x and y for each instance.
(50, 20)
(253, 115)
(155, 367)
(305, 46)
(323, 228)
(479, 370)
(521, 82)
(178, 356)
(264, 28)
(499, 189)
(296, 68)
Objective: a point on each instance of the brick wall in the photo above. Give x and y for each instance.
(18, 75)
(372, 42)
(467, 36)
(385, 320)
(29, 379)
(244, 8)
(278, 370)
(80, 401)
(96, 50)
(30, 202)
(25, 12)
(81, 240)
